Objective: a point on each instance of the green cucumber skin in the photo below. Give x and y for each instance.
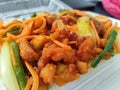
(15, 30)
(108, 46)
(18, 69)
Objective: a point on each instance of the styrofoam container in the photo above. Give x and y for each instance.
(106, 76)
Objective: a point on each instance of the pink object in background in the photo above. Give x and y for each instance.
(112, 7)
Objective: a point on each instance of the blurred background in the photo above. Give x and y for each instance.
(91, 5)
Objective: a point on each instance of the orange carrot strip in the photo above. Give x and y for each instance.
(3, 31)
(37, 23)
(73, 28)
(25, 32)
(116, 47)
(79, 13)
(109, 29)
(32, 19)
(42, 27)
(62, 45)
(34, 74)
(53, 38)
(11, 23)
(1, 24)
(72, 42)
(26, 37)
(108, 24)
(43, 14)
(107, 33)
(60, 25)
(54, 26)
(95, 32)
(28, 85)
(64, 13)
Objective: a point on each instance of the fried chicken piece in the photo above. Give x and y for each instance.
(27, 52)
(85, 49)
(56, 53)
(48, 73)
(82, 67)
(66, 73)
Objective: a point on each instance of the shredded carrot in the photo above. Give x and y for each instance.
(64, 13)
(37, 23)
(11, 23)
(72, 42)
(73, 28)
(27, 37)
(34, 74)
(43, 14)
(2, 33)
(98, 50)
(107, 33)
(62, 45)
(95, 32)
(79, 13)
(116, 47)
(53, 38)
(42, 27)
(60, 25)
(28, 86)
(27, 30)
(54, 26)
(32, 19)
(108, 24)
(109, 29)
(1, 24)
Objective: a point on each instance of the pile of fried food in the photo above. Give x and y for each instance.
(59, 48)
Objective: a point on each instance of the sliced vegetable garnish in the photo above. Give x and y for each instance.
(7, 75)
(62, 10)
(18, 67)
(117, 42)
(84, 26)
(14, 30)
(34, 15)
(108, 46)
